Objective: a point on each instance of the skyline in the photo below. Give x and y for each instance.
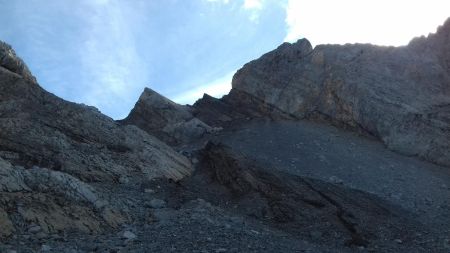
(104, 52)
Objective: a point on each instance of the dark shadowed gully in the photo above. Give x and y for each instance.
(331, 149)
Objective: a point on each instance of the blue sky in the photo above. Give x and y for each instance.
(104, 52)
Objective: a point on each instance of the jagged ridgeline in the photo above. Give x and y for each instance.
(172, 177)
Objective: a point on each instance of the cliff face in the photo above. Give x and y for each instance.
(399, 94)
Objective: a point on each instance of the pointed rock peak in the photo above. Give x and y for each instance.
(10, 61)
(155, 100)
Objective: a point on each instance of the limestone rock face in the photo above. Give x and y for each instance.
(399, 94)
(169, 121)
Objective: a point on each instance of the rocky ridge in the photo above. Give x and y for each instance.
(401, 95)
(74, 180)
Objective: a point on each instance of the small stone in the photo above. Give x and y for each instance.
(11, 251)
(41, 235)
(157, 203)
(124, 180)
(398, 241)
(45, 248)
(34, 229)
(335, 180)
(148, 190)
(221, 250)
(129, 235)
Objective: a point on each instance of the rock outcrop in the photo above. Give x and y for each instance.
(52, 151)
(169, 121)
(401, 95)
(41, 129)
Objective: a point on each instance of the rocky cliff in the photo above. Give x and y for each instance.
(263, 177)
(400, 95)
(51, 151)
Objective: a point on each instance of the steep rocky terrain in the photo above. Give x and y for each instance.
(170, 122)
(401, 95)
(259, 170)
(52, 149)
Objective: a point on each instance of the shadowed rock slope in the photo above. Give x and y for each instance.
(401, 95)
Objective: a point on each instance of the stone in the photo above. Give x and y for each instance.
(45, 248)
(7, 228)
(335, 180)
(34, 229)
(157, 203)
(148, 190)
(128, 235)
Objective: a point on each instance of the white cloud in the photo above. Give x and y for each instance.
(382, 22)
(216, 88)
(252, 4)
(254, 7)
(218, 1)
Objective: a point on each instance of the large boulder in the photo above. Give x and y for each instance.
(401, 95)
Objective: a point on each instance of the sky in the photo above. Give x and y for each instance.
(104, 52)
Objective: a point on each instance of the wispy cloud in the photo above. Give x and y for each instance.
(110, 61)
(216, 88)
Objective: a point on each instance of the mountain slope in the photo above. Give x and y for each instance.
(52, 151)
(400, 95)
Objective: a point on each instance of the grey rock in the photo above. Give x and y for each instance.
(34, 229)
(129, 235)
(10, 62)
(45, 248)
(7, 228)
(335, 180)
(169, 121)
(157, 203)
